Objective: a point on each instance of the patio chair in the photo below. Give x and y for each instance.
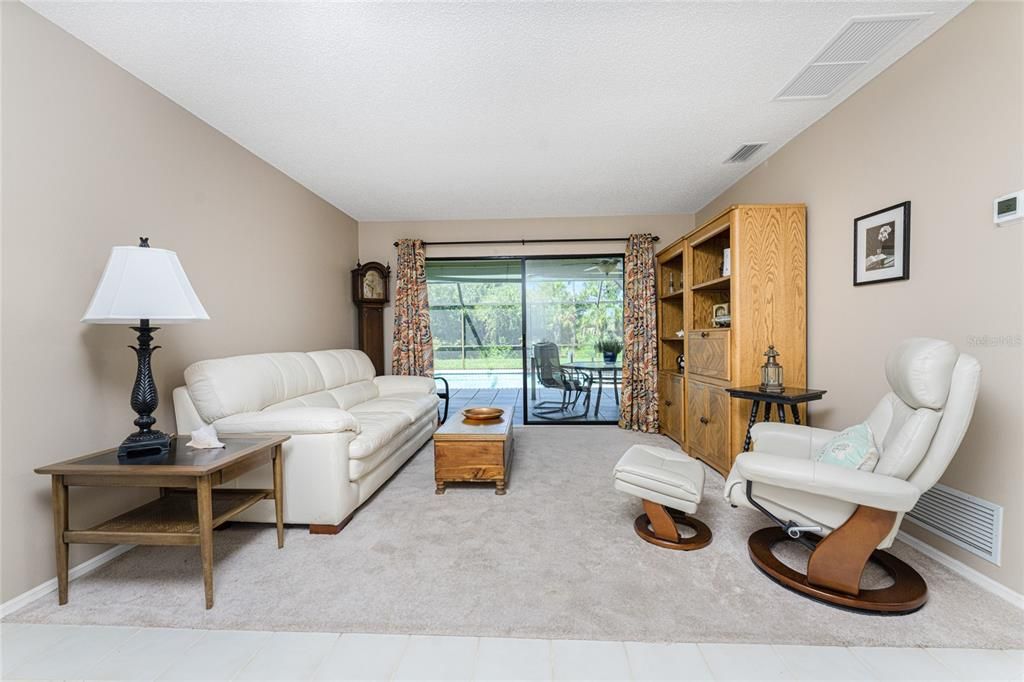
(445, 395)
(573, 383)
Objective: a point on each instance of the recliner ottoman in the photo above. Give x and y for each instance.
(671, 485)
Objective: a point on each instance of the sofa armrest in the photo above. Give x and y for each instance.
(828, 480)
(391, 384)
(791, 440)
(186, 417)
(290, 420)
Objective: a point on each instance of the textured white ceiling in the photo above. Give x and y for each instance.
(410, 111)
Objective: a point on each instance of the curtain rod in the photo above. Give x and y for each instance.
(524, 242)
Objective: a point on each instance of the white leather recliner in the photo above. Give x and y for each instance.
(918, 427)
(350, 431)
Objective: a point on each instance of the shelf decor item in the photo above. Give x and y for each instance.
(881, 245)
(142, 286)
(720, 315)
(482, 413)
(771, 372)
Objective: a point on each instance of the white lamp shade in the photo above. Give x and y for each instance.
(143, 283)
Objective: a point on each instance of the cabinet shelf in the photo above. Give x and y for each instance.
(672, 306)
(717, 284)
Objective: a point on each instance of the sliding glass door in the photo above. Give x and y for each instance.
(476, 321)
(538, 336)
(573, 313)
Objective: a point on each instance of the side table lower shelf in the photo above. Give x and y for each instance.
(169, 520)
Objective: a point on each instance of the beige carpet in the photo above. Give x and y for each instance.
(555, 558)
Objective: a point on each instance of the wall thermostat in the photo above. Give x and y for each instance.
(1008, 208)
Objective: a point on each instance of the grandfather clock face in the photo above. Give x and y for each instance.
(373, 286)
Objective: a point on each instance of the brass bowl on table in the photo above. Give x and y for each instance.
(478, 414)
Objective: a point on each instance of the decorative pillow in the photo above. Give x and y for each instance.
(854, 448)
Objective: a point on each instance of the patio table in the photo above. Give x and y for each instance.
(599, 368)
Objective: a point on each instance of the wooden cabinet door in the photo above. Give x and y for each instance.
(707, 424)
(716, 432)
(670, 407)
(708, 353)
(696, 402)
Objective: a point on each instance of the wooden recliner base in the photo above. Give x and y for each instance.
(837, 562)
(658, 527)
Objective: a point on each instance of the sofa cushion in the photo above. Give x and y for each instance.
(292, 420)
(376, 430)
(351, 395)
(357, 468)
(343, 367)
(248, 383)
(318, 399)
(412, 405)
(392, 384)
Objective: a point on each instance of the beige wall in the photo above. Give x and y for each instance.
(376, 239)
(944, 129)
(94, 158)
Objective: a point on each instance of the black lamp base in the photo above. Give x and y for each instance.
(149, 445)
(146, 443)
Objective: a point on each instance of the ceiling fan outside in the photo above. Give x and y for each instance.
(606, 266)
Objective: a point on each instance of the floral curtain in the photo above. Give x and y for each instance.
(639, 405)
(412, 352)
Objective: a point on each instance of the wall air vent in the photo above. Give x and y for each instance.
(967, 521)
(745, 152)
(857, 43)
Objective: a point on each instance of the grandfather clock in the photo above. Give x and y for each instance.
(370, 293)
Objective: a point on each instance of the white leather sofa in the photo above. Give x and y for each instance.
(350, 431)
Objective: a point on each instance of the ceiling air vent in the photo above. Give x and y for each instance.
(857, 43)
(745, 152)
(966, 521)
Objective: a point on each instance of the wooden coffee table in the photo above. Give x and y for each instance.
(188, 508)
(473, 451)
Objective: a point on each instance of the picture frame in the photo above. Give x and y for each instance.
(881, 245)
(720, 315)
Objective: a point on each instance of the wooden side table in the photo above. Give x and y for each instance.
(791, 396)
(188, 509)
(473, 451)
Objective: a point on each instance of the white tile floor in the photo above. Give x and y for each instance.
(32, 652)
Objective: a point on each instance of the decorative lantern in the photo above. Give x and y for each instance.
(771, 373)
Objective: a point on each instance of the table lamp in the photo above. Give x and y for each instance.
(144, 285)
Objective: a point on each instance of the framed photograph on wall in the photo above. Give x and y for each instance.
(881, 245)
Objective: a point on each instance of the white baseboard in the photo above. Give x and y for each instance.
(26, 598)
(959, 567)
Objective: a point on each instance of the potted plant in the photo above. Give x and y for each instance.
(610, 348)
